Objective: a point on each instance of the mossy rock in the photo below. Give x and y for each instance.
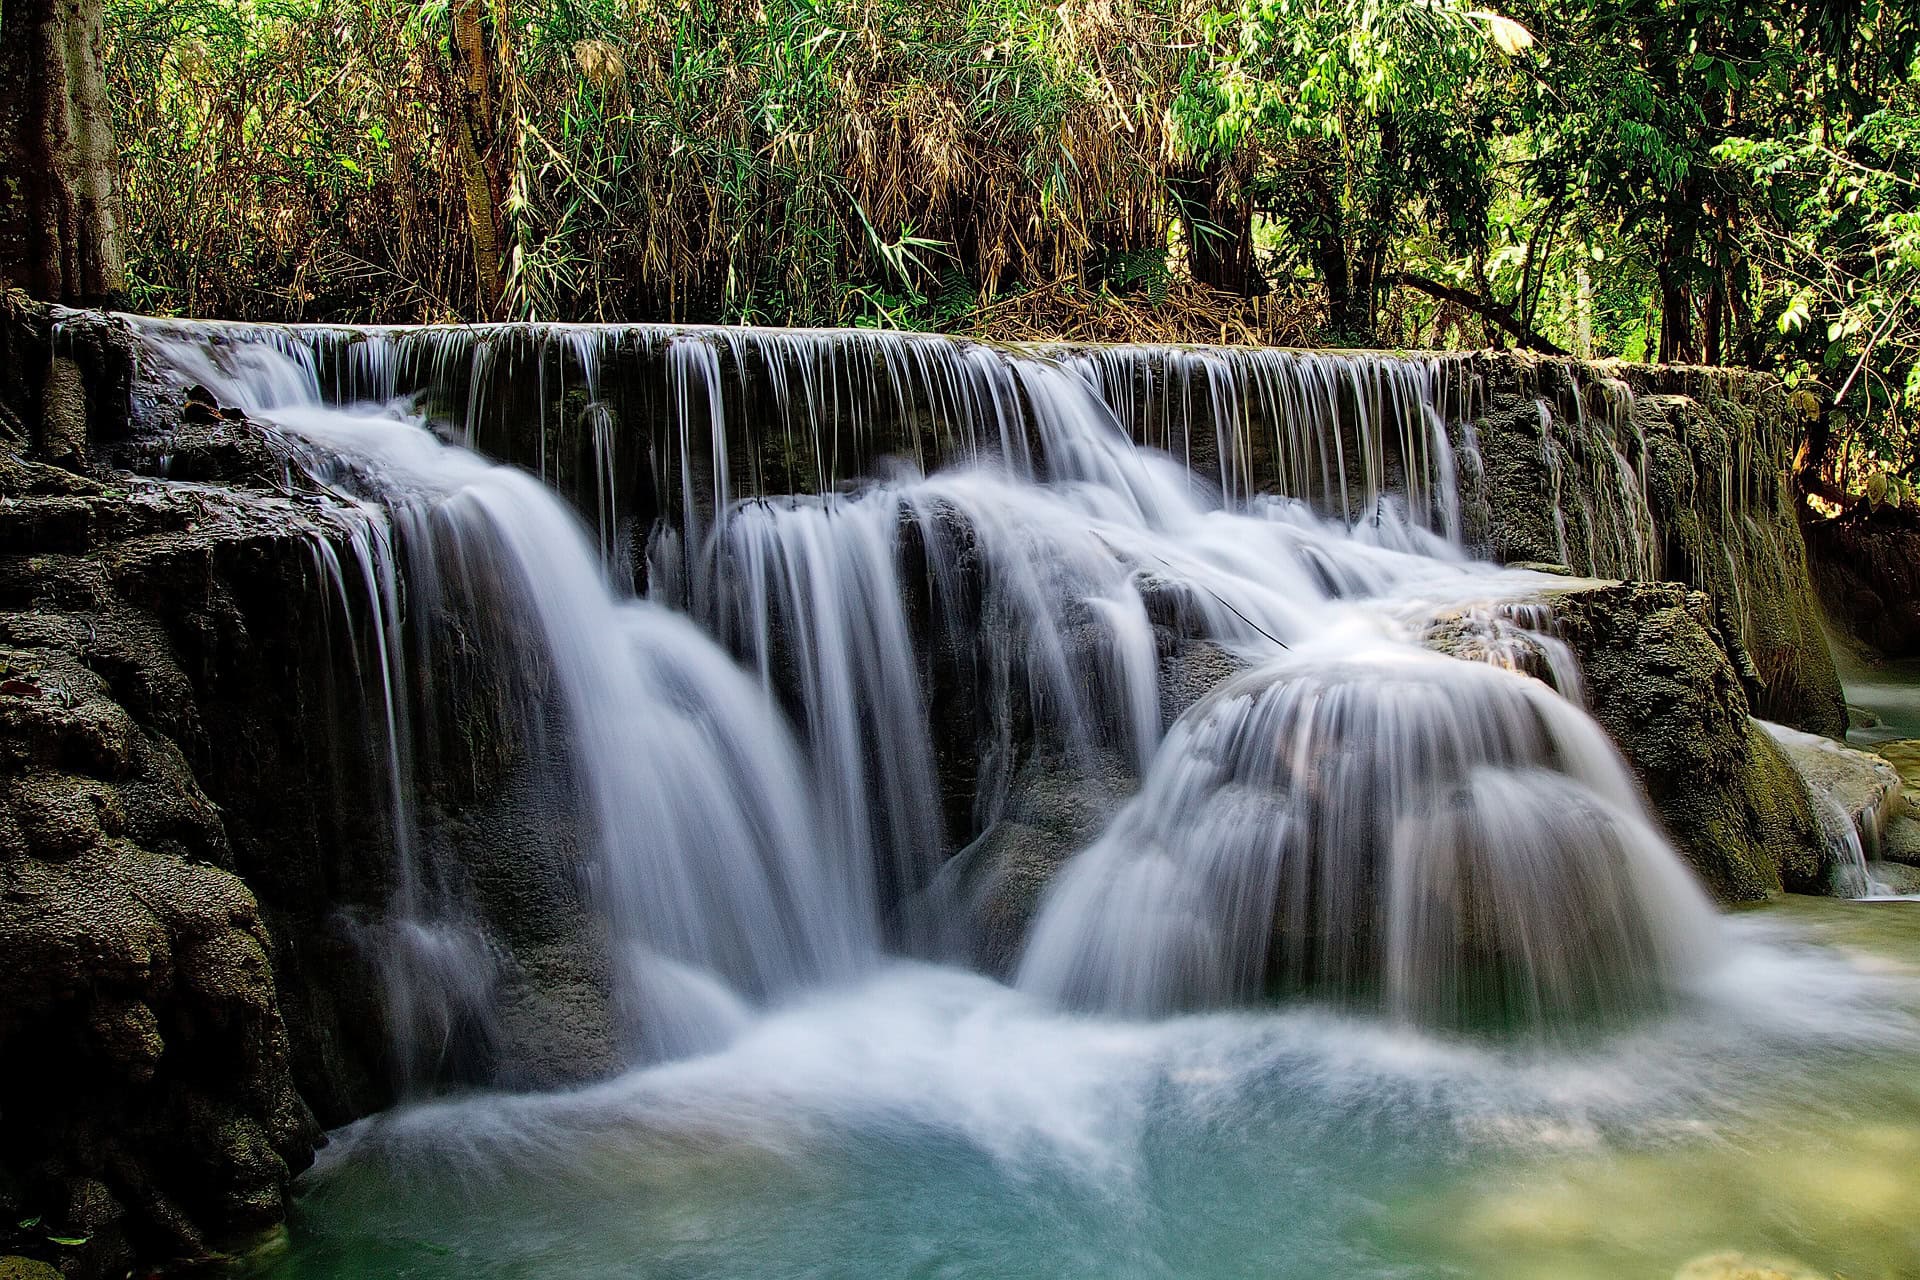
(1657, 474)
(1661, 682)
(18, 1268)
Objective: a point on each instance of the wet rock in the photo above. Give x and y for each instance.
(1900, 842)
(1054, 810)
(219, 449)
(137, 1010)
(1904, 755)
(1660, 681)
(1900, 837)
(1893, 877)
(557, 1020)
(1862, 787)
(152, 1109)
(1190, 670)
(1653, 474)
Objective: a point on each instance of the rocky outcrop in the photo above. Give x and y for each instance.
(1868, 574)
(162, 768)
(197, 869)
(1663, 678)
(1654, 474)
(1899, 838)
(1859, 791)
(1055, 807)
(151, 1106)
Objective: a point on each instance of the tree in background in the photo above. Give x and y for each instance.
(1837, 235)
(59, 168)
(477, 82)
(1366, 123)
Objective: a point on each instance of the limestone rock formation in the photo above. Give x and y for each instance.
(1655, 474)
(152, 1111)
(1055, 808)
(1861, 790)
(1662, 678)
(1900, 838)
(193, 883)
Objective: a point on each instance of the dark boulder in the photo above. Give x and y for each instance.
(1662, 677)
(1867, 569)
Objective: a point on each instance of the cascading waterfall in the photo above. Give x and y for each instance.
(1449, 842)
(1049, 582)
(700, 846)
(1340, 941)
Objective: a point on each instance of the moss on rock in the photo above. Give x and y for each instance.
(1655, 474)
(1661, 682)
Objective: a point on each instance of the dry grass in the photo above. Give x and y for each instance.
(802, 162)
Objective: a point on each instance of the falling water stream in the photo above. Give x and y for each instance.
(1377, 967)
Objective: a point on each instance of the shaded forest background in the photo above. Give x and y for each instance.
(1720, 181)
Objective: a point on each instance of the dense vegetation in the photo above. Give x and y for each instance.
(1722, 181)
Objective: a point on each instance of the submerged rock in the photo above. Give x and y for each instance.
(1733, 1265)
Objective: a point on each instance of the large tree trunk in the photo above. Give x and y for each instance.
(1679, 335)
(1346, 307)
(59, 166)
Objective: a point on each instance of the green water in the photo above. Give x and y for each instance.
(1889, 690)
(934, 1124)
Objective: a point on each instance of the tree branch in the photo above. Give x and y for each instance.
(1490, 310)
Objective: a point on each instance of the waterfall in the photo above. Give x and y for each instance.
(700, 839)
(840, 588)
(1447, 841)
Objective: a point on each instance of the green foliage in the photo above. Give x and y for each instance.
(1840, 237)
(1725, 181)
(700, 159)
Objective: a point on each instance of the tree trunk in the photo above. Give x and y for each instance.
(1677, 343)
(1346, 311)
(1219, 233)
(1372, 281)
(60, 221)
(1582, 307)
(477, 149)
(1679, 334)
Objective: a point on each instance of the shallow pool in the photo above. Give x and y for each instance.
(933, 1123)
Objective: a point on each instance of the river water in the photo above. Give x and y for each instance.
(933, 1123)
